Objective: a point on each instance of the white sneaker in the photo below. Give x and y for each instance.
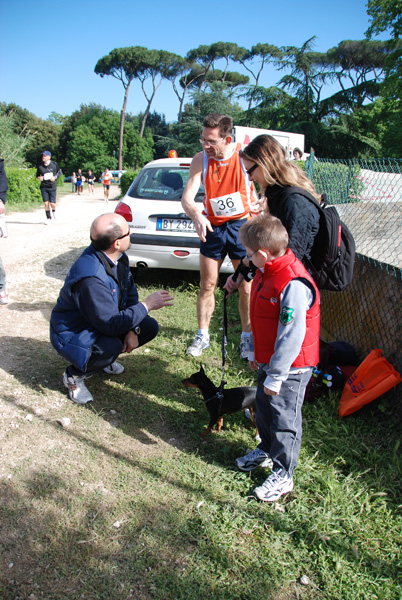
(252, 460)
(77, 389)
(201, 342)
(114, 369)
(244, 347)
(4, 299)
(274, 487)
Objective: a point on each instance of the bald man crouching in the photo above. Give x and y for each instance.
(98, 315)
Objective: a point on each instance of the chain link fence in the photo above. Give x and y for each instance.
(368, 197)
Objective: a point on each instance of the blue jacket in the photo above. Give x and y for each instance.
(97, 298)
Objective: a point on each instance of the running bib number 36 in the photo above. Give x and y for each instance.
(227, 206)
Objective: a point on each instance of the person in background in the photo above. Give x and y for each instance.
(48, 172)
(74, 182)
(107, 180)
(285, 322)
(4, 299)
(91, 179)
(297, 154)
(79, 182)
(228, 202)
(98, 314)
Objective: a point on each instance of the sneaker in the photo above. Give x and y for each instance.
(201, 342)
(274, 487)
(252, 460)
(54, 216)
(244, 348)
(77, 389)
(4, 299)
(114, 369)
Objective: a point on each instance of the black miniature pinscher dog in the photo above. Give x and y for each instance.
(232, 400)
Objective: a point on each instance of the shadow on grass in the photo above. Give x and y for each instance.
(59, 266)
(51, 550)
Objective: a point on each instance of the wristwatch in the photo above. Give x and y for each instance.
(137, 330)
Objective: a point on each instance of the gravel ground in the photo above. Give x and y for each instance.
(36, 258)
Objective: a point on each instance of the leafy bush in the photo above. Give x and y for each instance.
(335, 179)
(126, 180)
(23, 187)
(60, 181)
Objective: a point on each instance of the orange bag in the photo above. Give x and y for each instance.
(372, 378)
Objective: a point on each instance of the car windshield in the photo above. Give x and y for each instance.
(162, 183)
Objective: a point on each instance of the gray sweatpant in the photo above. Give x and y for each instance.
(279, 420)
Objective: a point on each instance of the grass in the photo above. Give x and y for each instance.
(28, 205)
(129, 502)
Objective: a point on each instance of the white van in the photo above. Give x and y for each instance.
(288, 140)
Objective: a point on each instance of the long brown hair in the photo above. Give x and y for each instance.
(268, 154)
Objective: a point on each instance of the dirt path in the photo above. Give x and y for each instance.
(36, 258)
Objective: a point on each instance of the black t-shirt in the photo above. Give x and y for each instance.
(42, 169)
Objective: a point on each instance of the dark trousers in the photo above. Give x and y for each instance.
(106, 349)
(279, 420)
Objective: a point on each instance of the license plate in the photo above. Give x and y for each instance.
(163, 224)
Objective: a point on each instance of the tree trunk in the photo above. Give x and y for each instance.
(122, 119)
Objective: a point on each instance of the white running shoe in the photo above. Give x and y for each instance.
(201, 342)
(114, 369)
(244, 347)
(77, 390)
(274, 487)
(4, 298)
(252, 460)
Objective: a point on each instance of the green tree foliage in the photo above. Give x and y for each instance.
(184, 136)
(386, 16)
(91, 135)
(306, 79)
(23, 186)
(160, 65)
(359, 69)
(13, 145)
(126, 180)
(148, 66)
(39, 134)
(123, 64)
(260, 55)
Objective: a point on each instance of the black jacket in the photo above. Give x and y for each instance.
(3, 182)
(299, 216)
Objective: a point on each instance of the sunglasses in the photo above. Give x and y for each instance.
(123, 236)
(251, 169)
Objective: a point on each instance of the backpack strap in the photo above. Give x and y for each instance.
(292, 189)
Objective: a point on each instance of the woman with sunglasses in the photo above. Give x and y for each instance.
(266, 165)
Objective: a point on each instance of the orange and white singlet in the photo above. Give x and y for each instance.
(106, 178)
(228, 190)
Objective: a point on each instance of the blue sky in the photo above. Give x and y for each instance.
(49, 50)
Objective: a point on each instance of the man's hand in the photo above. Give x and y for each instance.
(259, 206)
(130, 342)
(269, 392)
(158, 300)
(253, 365)
(230, 285)
(2, 207)
(201, 225)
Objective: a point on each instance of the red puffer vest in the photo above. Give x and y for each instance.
(265, 307)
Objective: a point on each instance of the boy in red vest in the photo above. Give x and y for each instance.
(285, 323)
